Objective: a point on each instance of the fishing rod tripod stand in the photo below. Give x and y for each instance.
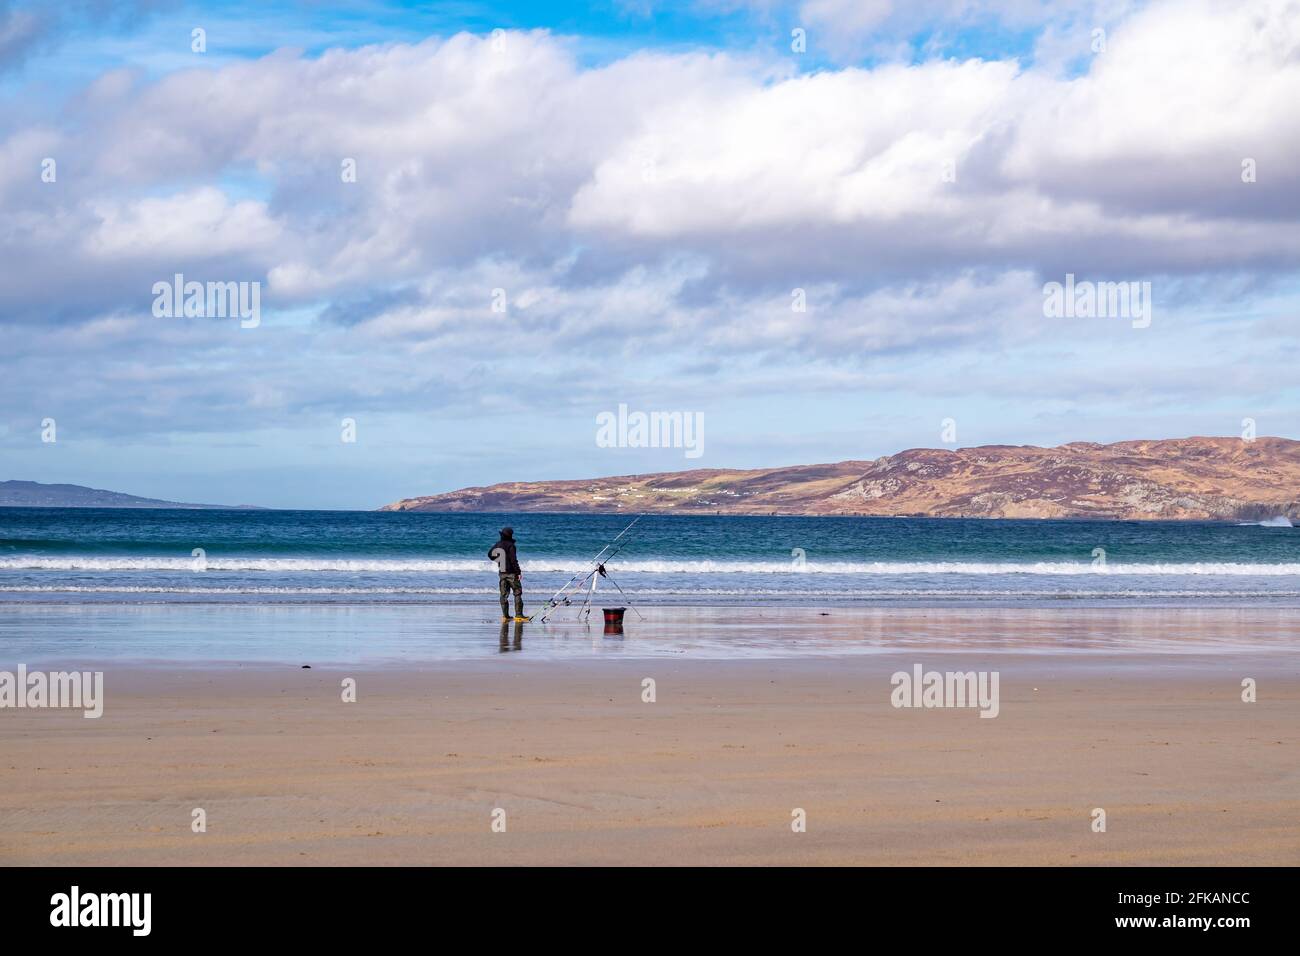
(597, 573)
(588, 579)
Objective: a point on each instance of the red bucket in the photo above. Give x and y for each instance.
(614, 619)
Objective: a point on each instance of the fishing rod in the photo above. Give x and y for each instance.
(596, 560)
(580, 579)
(595, 565)
(594, 576)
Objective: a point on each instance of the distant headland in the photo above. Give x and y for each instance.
(1176, 478)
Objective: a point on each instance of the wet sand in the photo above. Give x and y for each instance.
(709, 773)
(373, 636)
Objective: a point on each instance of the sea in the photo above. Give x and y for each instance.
(348, 588)
(81, 556)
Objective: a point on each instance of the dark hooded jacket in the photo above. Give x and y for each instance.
(506, 543)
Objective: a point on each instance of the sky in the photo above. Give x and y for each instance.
(822, 228)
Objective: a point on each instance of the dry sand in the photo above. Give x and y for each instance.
(708, 774)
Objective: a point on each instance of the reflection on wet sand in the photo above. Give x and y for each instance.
(404, 634)
(518, 637)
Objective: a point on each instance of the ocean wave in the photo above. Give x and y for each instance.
(661, 566)
(344, 590)
(218, 589)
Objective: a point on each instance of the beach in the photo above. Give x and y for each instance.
(746, 714)
(738, 434)
(573, 765)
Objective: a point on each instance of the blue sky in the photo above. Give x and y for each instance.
(647, 184)
(89, 37)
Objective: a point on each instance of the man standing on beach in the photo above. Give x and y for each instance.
(508, 573)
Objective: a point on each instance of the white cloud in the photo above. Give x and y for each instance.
(1142, 153)
(464, 152)
(660, 206)
(203, 222)
(855, 146)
